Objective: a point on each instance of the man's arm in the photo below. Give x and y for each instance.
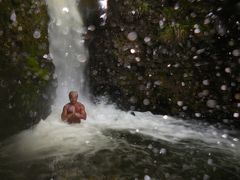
(82, 114)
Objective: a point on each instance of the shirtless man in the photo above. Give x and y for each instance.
(74, 111)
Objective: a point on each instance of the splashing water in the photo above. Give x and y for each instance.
(107, 130)
(67, 48)
(103, 5)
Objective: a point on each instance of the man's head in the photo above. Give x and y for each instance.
(73, 96)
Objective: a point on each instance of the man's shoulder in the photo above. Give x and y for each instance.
(66, 105)
(80, 104)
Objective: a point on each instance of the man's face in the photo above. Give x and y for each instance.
(73, 98)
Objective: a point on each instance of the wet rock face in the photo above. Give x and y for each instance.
(171, 57)
(26, 70)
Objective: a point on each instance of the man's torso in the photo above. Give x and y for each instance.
(76, 108)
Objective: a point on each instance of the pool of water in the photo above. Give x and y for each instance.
(119, 145)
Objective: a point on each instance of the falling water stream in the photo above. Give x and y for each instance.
(111, 144)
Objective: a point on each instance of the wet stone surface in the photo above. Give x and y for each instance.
(169, 52)
(26, 75)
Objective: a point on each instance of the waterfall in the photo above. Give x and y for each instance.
(67, 48)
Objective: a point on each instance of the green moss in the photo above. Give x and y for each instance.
(26, 75)
(183, 21)
(174, 33)
(167, 34)
(168, 12)
(143, 6)
(34, 67)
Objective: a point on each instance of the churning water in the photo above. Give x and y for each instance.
(111, 144)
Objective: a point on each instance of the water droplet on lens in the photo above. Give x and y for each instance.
(235, 139)
(176, 6)
(146, 177)
(163, 151)
(223, 87)
(207, 21)
(65, 10)
(211, 103)
(165, 117)
(133, 51)
(81, 58)
(45, 56)
(206, 177)
(133, 100)
(198, 114)
(150, 146)
(91, 28)
(180, 103)
(236, 115)
(146, 102)
(210, 162)
(13, 16)
(132, 36)
(224, 136)
(236, 52)
(205, 82)
(147, 39)
(161, 24)
(137, 59)
(37, 34)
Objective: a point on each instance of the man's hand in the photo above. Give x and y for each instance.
(78, 115)
(70, 115)
(73, 116)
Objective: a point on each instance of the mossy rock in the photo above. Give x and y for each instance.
(26, 77)
(172, 61)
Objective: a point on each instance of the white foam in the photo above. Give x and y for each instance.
(65, 32)
(53, 137)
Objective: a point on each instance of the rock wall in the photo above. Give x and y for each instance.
(27, 86)
(170, 57)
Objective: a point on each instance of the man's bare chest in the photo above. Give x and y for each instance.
(74, 108)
